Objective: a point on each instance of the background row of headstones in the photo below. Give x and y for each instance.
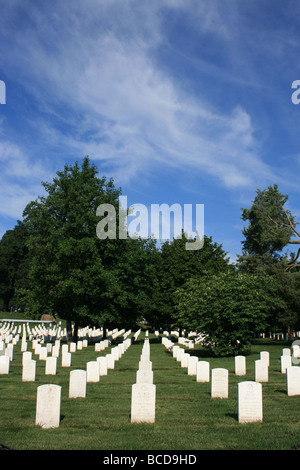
(189, 339)
(49, 353)
(11, 333)
(249, 392)
(55, 331)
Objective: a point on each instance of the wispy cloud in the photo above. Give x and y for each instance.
(96, 74)
(20, 179)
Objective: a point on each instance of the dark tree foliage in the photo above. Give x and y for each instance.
(13, 263)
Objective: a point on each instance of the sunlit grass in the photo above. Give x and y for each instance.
(187, 418)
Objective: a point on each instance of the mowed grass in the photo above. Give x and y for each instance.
(187, 418)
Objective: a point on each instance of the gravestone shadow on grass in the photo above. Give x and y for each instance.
(232, 415)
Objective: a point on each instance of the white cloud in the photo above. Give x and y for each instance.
(20, 179)
(95, 74)
(15, 197)
(134, 112)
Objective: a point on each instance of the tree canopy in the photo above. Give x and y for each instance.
(175, 265)
(71, 270)
(227, 308)
(13, 263)
(270, 229)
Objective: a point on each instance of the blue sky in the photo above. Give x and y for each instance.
(180, 101)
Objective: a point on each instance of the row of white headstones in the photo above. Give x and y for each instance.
(29, 364)
(143, 394)
(144, 391)
(250, 402)
(48, 400)
(142, 397)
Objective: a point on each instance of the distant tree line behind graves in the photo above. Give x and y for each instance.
(53, 262)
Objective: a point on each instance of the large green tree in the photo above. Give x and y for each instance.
(228, 309)
(271, 229)
(73, 272)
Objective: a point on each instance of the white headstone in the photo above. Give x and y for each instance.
(116, 353)
(110, 361)
(122, 348)
(143, 403)
(250, 402)
(219, 383)
(192, 365)
(293, 380)
(184, 359)
(175, 351)
(55, 351)
(261, 371)
(4, 364)
(43, 353)
(286, 352)
(66, 359)
(92, 371)
(50, 368)
(203, 371)
(296, 350)
(26, 356)
(179, 354)
(285, 362)
(77, 383)
(265, 356)
(48, 406)
(240, 365)
(28, 370)
(102, 360)
(144, 376)
(9, 351)
(145, 365)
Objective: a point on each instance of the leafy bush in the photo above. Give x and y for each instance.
(229, 308)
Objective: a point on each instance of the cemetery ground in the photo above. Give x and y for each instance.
(186, 416)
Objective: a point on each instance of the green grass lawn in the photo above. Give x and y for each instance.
(187, 418)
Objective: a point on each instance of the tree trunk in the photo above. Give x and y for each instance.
(69, 331)
(6, 300)
(75, 335)
(104, 330)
